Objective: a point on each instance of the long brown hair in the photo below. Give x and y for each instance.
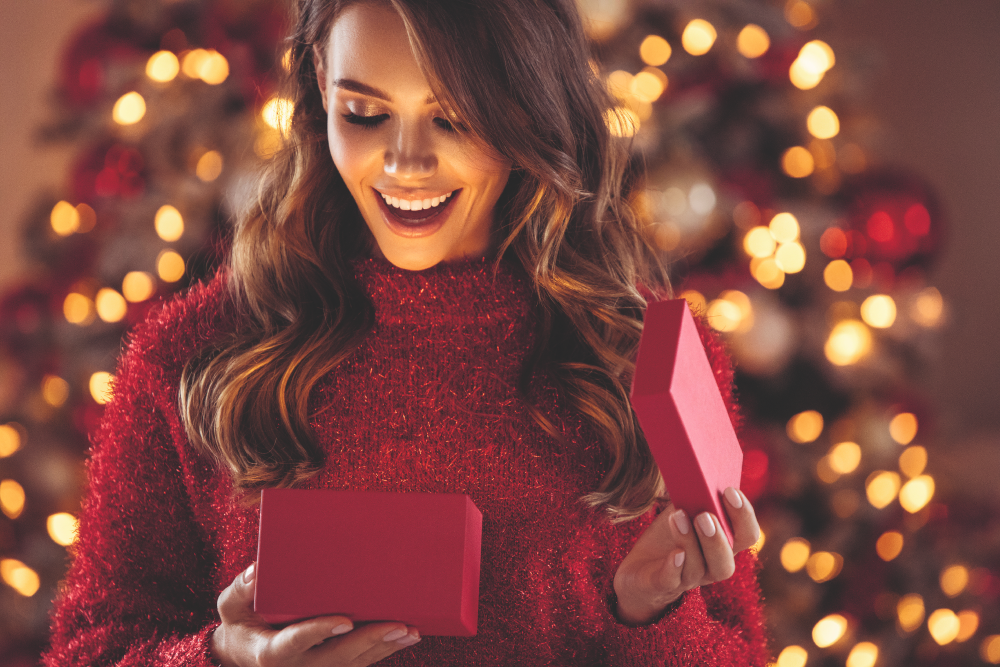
(517, 75)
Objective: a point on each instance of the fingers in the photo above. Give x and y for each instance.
(746, 530)
(718, 561)
(235, 604)
(304, 635)
(370, 643)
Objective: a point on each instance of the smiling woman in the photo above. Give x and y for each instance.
(436, 290)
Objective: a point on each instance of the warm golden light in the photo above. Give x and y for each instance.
(864, 654)
(882, 487)
(759, 242)
(724, 315)
(111, 306)
(19, 576)
(696, 301)
(170, 266)
(910, 612)
(943, 625)
(753, 41)
(138, 286)
(838, 275)
(78, 309)
(267, 144)
(622, 121)
(62, 528)
(989, 650)
(784, 227)
(65, 219)
(655, 50)
(954, 579)
(698, 37)
(913, 460)
(191, 64)
(277, 113)
(129, 109)
(55, 390)
(795, 554)
(879, 311)
(792, 656)
(767, 272)
(824, 566)
(928, 307)
(849, 341)
(968, 623)
(800, 14)
(797, 162)
(790, 257)
(162, 66)
(213, 69)
(889, 545)
(11, 498)
(759, 544)
(802, 77)
(817, 55)
(169, 223)
(88, 218)
(916, 493)
(100, 387)
(903, 428)
(845, 457)
(823, 123)
(647, 87)
(10, 440)
(805, 426)
(286, 60)
(209, 166)
(824, 472)
(829, 630)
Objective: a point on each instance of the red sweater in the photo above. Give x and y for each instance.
(428, 403)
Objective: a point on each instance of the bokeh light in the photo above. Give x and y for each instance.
(879, 311)
(881, 487)
(129, 109)
(767, 272)
(798, 162)
(910, 612)
(111, 306)
(622, 121)
(759, 242)
(170, 266)
(647, 86)
(823, 123)
(100, 387)
(19, 576)
(954, 579)
(784, 227)
(702, 198)
(864, 654)
(849, 341)
(78, 309)
(903, 427)
(162, 66)
(138, 286)
(792, 656)
(889, 545)
(62, 528)
(838, 275)
(724, 315)
(845, 457)
(805, 426)
(55, 390)
(10, 440)
(943, 625)
(824, 566)
(795, 554)
(753, 41)
(968, 623)
(277, 113)
(913, 460)
(829, 630)
(916, 493)
(928, 307)
(655, 50)
(169, 223)
(790, 257)
(11, 498)
(800, 14)
(65, 219)
(698, 37)
(209, 166)
(989, 649)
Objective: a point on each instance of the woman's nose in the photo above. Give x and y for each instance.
(411, 155)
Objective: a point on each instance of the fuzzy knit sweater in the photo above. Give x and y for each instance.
(428, 403)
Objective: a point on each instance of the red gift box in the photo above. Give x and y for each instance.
(682, 413)
(408, 557)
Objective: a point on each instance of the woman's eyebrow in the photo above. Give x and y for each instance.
(370, 91)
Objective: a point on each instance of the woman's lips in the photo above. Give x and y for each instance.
(413, 224)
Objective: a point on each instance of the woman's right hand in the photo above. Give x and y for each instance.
(245, 640)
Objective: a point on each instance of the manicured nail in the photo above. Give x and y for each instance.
(679, 559)
(409, 640)
(340, 629)
(681, 522)
(394, 635)
(249, 573)
(733, 496)
(705, 524)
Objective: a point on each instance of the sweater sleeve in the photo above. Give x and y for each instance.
(139, 589)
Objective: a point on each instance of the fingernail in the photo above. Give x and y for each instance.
(706, 525)
(409, 640)
(733, 496)
(340, 629)
(681, 522)
(394, 635)
(248, 574)
(679, 559)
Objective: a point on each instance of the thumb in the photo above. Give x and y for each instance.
(236, 602)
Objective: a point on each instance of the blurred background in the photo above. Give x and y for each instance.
(822, 175)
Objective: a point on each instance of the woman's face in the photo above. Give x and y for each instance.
(427, 193)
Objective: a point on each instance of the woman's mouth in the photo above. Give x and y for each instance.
(415, 217)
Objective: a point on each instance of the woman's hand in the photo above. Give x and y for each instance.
(672, 556)
(245, 640)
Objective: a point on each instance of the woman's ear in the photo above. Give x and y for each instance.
(320, 68)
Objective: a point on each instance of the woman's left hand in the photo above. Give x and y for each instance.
(673, 556)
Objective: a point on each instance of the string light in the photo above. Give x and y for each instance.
(214, 68)
(78, 309)
(655, 50)
(170, 266)
(882, 487)
(824, 565)
(989, 650)
(62, 528)
(169, 223)
(110, 305)
(759, 242)
(800, 14)
(838, 275)
(11, 498)
(790, 257)
(829, 630)
(129, 109)
(55, 390)
(724, 315)
(815, 59)
(954, 579)
(913, 460)
(753, 41)
(209, 166)
(65, 219)
(784, 227)
(698, 37)
(848, 343)
(100, 387)
(647, 87)
(795, 554)
(903, 427)
(19, 576)
(879, 311)
(889, 545)
(798, 162)
(910, 612)
(805, 426)
(968, 623)
(137, 286)
(845, 457)
(864, 654)
(767, 272)
(792, 656)
(277, 113)
(10, 440)
(943, 625)
(162, 66)
(916, 493)
(696, 301)
(823, 123)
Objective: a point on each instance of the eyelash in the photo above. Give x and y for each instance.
(371, 122)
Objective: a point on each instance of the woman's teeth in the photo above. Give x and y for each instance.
(415, 204)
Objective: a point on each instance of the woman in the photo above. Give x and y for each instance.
(434, 291)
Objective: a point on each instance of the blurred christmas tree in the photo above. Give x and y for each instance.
(779, 224)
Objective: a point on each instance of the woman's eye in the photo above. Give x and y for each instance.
(444, 124)
(365, 121)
